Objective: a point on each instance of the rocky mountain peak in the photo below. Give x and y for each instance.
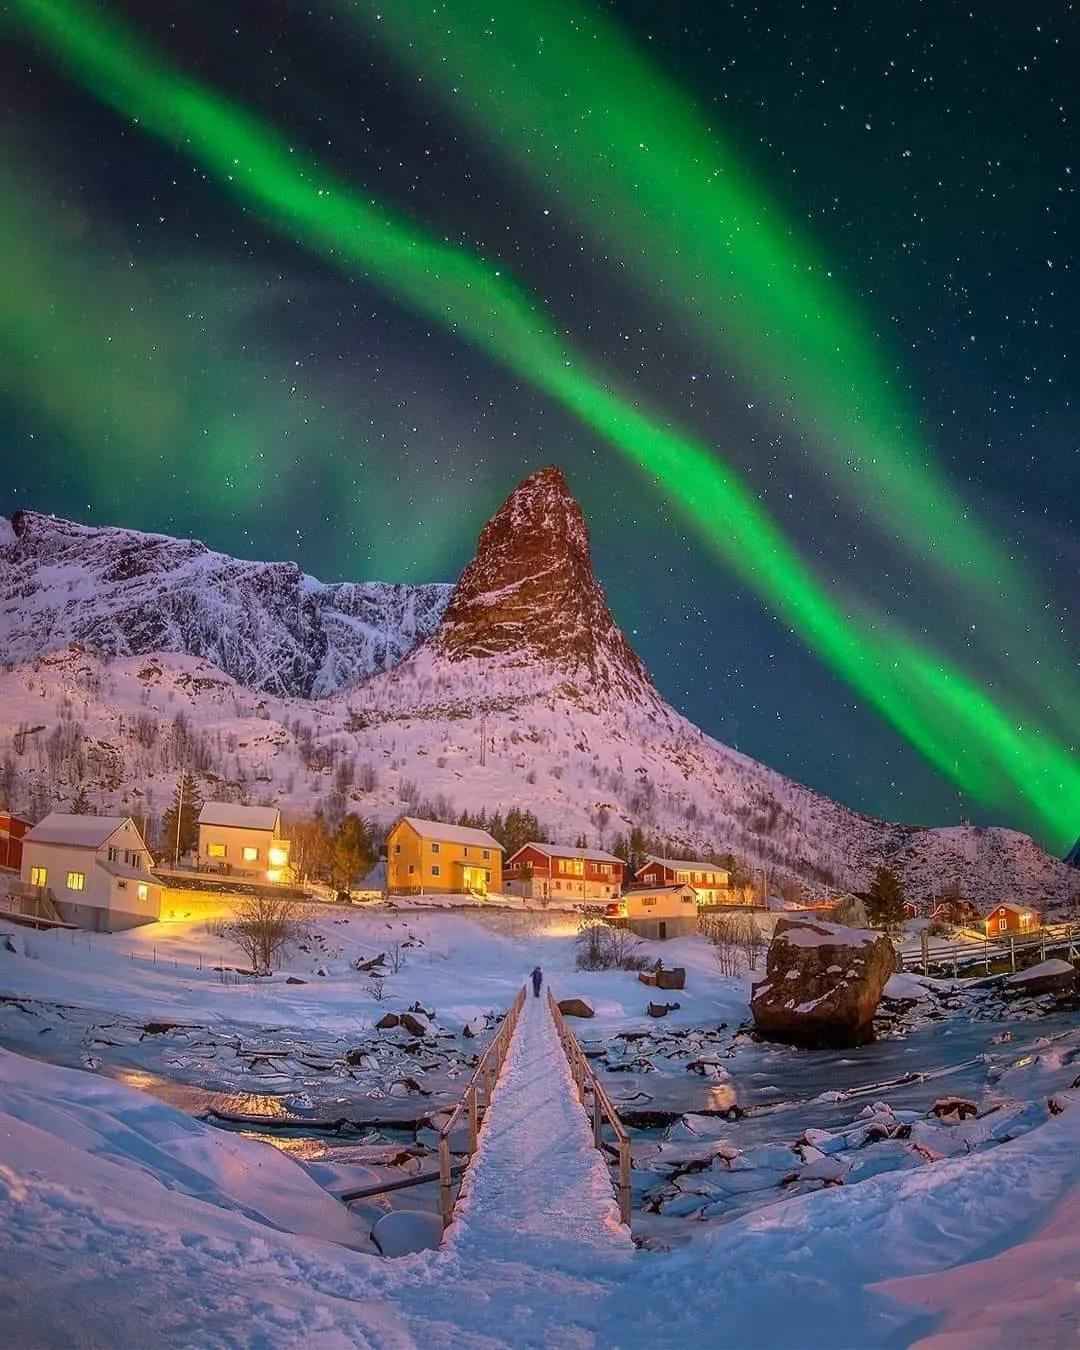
(531, 594)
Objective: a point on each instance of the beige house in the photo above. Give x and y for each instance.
(95, 870)
(660, 911)
(243, 842)
(426, 856)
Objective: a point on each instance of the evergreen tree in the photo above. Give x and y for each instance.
(80, 803)
(885, 900)
(638, 851)
(581, 842)
(354, 850)
(180, 824)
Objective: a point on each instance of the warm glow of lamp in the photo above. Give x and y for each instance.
(278, 857)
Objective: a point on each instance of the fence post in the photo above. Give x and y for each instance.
(597, 1119)
(1012, 950)
(925, 943)
(624, 1181)
(445, 1202)
(474, 1120)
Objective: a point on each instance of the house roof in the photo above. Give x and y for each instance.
(639, 891)
(450, 834)
(240, 817)
(681, 865)
(1010, 905)
(116, 869)
(558, 851)
(76, 831)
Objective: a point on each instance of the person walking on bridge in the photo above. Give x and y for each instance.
(538, 980)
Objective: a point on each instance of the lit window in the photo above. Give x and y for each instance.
(278, 857)
(76, 881)
(216, 850)
(435, 869)
(144, 892)
(251, 854)
(682, 876)
(38, 876)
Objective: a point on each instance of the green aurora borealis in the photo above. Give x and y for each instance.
(665, 193)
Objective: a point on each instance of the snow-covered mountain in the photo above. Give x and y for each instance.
(268, 625)
(525, 694)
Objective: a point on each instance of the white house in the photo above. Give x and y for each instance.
(243, 841)
(710, 882)
(659, 911)
(95, 869)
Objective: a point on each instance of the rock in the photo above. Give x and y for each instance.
(661, 1009)
(1048, 977)
(959, 1107)
(407, 1230)
(294, 979)
(414, 1025)
(421, 1011)
(387, 1022)
(803, 1001)
(374, 963)
(671, 979)
(475, 1028)
(575, 1007)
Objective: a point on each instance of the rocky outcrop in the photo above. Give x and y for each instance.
(822, 983)
(575, 1007)
(1055, 976)
(268, 625)
(531, 594)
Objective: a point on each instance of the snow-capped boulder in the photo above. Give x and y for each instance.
(575, 1007)
(404, 1231)
(822, 983)
(1048, 977)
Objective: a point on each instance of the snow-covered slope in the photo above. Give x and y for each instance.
(526, 695)
(268, 625)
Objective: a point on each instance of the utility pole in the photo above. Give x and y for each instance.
(179, 817)
(483, 741)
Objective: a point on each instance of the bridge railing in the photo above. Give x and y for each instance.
(1048, 938)
(474, 1103)
(597, 1106)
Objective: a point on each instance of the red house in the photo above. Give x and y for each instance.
(709, 881)
(553, 872)
(1010, 918)
(12, 829)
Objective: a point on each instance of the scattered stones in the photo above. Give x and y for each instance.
(959, 1107)
(388, 1021)
(575, 1007)
(661, 1009)
(415, 1025)
(1048, 977)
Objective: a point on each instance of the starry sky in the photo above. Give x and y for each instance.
(789, 291)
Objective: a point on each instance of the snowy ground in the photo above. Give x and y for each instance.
(895, 1225)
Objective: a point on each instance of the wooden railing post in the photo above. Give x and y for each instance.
(446, 1203)
(597, 1121)
(624, 1181)
(474, 1119)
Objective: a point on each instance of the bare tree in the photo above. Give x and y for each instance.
(737, 939)
(266, 926)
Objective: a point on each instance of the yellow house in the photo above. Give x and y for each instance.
(243, 841)
(428, 856)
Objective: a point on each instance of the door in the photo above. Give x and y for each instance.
(663, 929)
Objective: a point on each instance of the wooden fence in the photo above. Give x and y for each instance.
(1058, 937)
(597, 1106)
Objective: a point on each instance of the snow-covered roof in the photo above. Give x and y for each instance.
(116, 869)
(450, 834)
(559, 851)
(239, 817)
(1009, 905)
(59, 827)
(681, 865)
(638, 891)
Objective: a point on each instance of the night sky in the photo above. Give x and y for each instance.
(828, 251)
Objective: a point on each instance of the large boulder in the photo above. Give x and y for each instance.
(1048, 977)
(575, 1007)
(822, 983)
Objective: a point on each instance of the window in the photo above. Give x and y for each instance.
(605, 869)
(465, 850)
(216, 850)
(397, 848)
(144, 892)
(682, 876)
(1002, 925)
(38, 876)
(412, 868)
(574, 866)
(648, 900)
(251, 854)
(121, 885)
(135, 859)
(435, 871)
(76, 881)
(486, 854)
(114, 853)
(434, 848)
